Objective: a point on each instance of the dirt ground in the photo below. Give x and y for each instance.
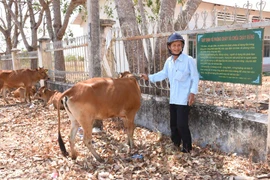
(29, 150)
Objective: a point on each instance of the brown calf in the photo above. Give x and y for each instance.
(99, 98)
(20, 93)
(48, 96)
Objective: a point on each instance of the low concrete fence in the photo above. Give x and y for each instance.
(231, 131)
(227, 130)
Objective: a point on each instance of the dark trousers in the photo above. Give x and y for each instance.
(179, 126)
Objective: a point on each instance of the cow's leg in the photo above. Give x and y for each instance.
(72, 136)
(44, 103)
(130, 126)
(22, 94)
(1, 87)
(87, 139)
(27, 94)
(5, 94)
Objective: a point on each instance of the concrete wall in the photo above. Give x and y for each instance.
(231, 131)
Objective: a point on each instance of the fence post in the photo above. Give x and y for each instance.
(185, 50)
(15, 59)
(44, 58)
(268, 135)
(108, 66)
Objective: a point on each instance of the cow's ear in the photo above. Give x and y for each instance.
(120, 75)
(46, 70)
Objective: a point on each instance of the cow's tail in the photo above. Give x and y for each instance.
(60, 140)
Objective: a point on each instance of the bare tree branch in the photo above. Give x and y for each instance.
(73, 5)
(18, 24)
(184, 17)
(6, 26)
(46, 7)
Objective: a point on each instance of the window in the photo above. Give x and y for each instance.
(266, 52)
(225, 18)
(192, 45)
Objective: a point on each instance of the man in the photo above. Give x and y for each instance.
(181, 70)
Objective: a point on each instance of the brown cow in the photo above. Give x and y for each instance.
(20, 92)
(48, 96)
(21, 78)
(99, 98)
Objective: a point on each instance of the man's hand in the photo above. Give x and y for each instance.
(145, 77)
(191, 99)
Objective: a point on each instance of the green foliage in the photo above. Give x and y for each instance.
(149, 3)
(64, 6)
(266, 73)
(80, 8)
(108, 9)
(36, 6)
(70, 58)
(135, 2)
(68, 34)
(83, 11)
(139, 19)
(80, 58)
(181, 2)
(153, 5)
(157, 8)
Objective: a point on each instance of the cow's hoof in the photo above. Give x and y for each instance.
(73, 157)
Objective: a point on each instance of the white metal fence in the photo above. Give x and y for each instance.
(76, 59)
(23, 58)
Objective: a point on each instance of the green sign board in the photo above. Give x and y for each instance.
(232, 56)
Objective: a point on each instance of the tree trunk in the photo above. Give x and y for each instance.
(94, 45)
(129, 27)
(59, 60)
(34, 63)
(144, 30)
(166, 15)
(185, 16)
(94, 39)
(59, 64)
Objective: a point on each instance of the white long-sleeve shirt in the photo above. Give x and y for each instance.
(183, 77)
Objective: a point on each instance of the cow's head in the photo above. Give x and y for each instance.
(42, 72)
(125, 74)
(41, 93)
